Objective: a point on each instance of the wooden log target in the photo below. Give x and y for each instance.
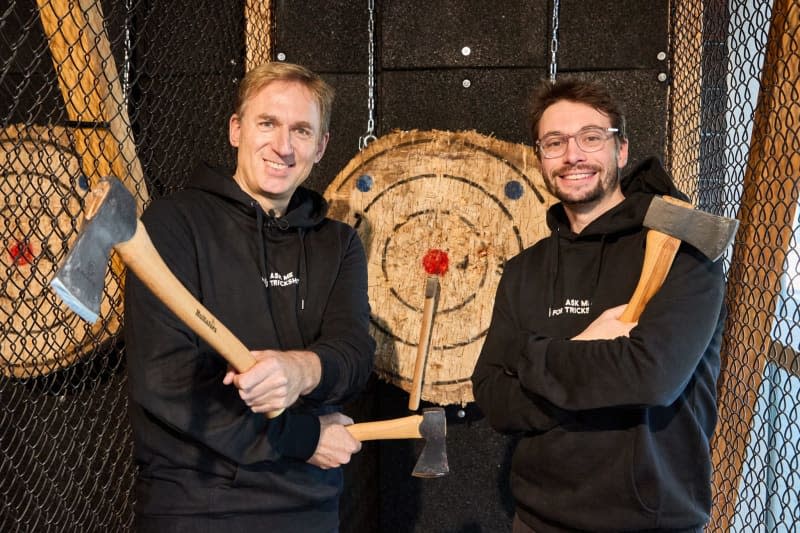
(456, 205)
(42, 213)
(46, 171)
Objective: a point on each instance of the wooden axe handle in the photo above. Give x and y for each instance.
(659, 252)
(396, 428)
(143, 259)
(424, 345)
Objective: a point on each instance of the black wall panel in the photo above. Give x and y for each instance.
(418, 35)
(173, 139)
(495, 102)
(644, 102)
(474, 497)
(190, 38)
(187, 62)
(29, 90)
(324, 35)
(348, 123)
(603, 35)
(28, 83)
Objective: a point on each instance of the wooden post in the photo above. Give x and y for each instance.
(683, 148)
(257, 21)
(766, 214)
(89, 82)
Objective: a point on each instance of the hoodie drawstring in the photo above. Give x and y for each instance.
(302, 286)
(556, 238)
(600, 262)
(262, 255)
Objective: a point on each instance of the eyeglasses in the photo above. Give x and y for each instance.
(589, 139)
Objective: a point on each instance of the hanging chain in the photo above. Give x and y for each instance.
(128, 59)
(369, 135)
(554, 43)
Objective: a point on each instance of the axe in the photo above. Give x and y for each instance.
(110, 221)
(431, 425)
(671, 221)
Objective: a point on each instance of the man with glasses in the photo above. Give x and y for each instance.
(614, 419)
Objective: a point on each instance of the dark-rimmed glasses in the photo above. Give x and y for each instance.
(588, 139)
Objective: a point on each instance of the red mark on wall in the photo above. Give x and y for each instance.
(21, 253)
(435, 262)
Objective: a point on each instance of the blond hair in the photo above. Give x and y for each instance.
(261, 76)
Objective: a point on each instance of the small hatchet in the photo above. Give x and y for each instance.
(424, 345)
(670, 221)
(110, 221)
(431, 425)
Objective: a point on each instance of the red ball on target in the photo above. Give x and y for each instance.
(435, 262)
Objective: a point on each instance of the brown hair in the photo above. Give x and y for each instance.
(582, 92)
(262, 75)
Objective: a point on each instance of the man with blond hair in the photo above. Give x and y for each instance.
(256, 248)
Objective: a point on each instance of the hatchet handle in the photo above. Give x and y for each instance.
(424, 344)
(659, 252)
(139, 254)
(396, 428)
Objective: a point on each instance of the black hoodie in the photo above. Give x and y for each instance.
(614, 434)
(294, 282)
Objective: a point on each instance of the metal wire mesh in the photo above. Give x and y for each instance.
(734, 146)
(134, 88)
(142, 89)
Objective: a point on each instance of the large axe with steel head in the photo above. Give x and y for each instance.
(110, 221)
(671, 221)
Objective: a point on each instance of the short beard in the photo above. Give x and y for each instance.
(601, 189)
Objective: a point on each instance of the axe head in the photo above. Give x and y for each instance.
(432, 461)
(711, 234)
(110, 219)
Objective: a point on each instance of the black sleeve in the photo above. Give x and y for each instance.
(653, 365)
(345, 346)
(508, 407)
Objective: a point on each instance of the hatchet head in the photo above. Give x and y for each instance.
(431, 425)
(110, 218)
(432, 460)
(710, 234)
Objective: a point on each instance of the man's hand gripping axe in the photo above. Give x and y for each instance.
(110, 222)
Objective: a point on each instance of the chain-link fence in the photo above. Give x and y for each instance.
(143, 89)
(734, 145)
(134, 88)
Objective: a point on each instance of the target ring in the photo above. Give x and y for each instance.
(454, 205)
(41, 218)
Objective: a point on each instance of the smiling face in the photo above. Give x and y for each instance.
(279, 138)
(583, 181)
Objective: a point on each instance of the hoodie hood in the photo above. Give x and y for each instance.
(646, 179)
(306, 208)
(282, 254)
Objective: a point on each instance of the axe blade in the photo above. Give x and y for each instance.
(710, 234)
(80, 280)
(432, 460)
